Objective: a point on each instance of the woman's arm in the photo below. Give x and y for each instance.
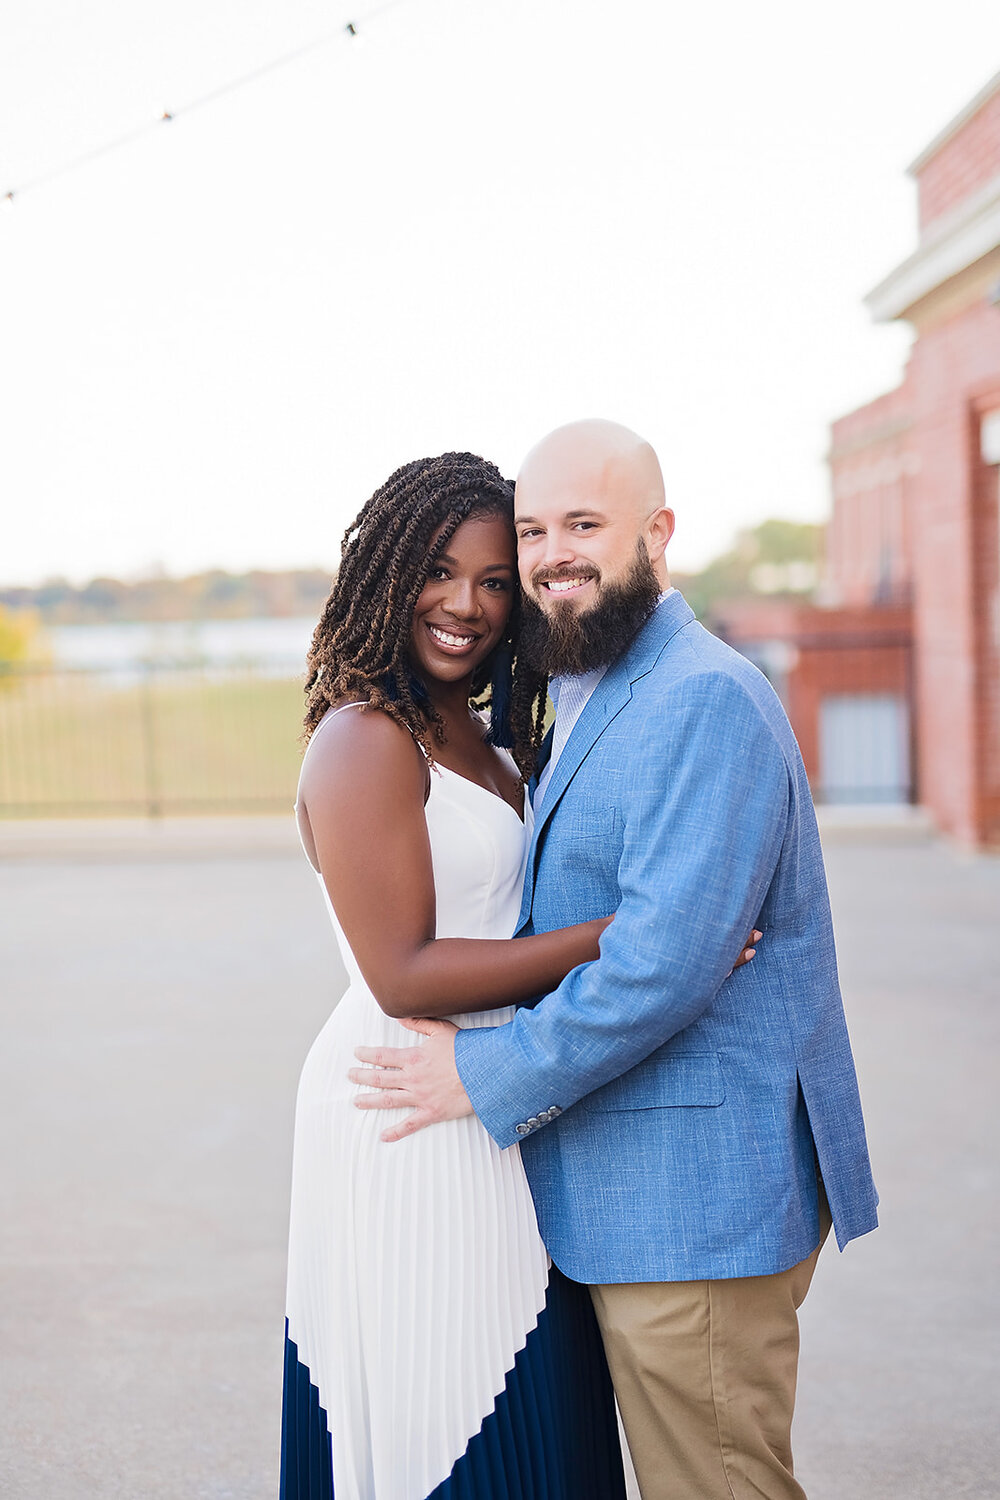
(363, 790)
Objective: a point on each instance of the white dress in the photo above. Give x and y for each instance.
(431, 1350)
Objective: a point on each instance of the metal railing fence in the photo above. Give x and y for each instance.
(152, 739)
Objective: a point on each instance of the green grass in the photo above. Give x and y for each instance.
(73, 744)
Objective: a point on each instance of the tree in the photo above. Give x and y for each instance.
(19, 637)
(776, 557)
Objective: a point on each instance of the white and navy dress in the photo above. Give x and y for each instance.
(432, 1351)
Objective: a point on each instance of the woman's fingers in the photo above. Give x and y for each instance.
(749, 951)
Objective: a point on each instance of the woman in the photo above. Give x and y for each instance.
(431, 1350)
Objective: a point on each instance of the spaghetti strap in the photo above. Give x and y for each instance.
(332, 713)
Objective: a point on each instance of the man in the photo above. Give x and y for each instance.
(682, 1126)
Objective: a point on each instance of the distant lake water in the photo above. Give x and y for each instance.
(271, 646)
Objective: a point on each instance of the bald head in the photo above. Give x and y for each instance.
(592, 491)
(602, 459)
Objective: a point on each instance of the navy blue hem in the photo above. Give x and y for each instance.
(306, 1455)
(552, 1435)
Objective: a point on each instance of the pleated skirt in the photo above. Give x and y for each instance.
(432, 1353)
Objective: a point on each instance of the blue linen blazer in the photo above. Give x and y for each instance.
(671, 1114)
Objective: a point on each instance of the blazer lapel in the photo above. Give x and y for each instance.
(607, 700)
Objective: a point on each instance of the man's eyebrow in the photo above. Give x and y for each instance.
(569, 515)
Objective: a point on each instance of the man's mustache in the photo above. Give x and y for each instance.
(562, 575)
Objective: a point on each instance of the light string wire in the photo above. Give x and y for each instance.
(350, 30)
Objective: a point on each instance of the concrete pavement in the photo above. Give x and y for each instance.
(159, 990)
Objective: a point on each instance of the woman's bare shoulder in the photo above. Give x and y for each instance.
(355, 743)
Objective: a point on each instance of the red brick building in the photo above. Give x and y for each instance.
(894, 686)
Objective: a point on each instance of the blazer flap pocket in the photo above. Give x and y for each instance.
(664, 1082)
(603, 828)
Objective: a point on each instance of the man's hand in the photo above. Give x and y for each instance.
(424, 1078)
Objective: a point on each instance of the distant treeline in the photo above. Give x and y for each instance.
(775, 557)
(204, 596)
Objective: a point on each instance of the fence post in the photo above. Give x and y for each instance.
(147, 725)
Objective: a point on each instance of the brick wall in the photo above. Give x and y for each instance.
(986, 618)
(828, 651)
(860, 664)
(965, 162)
(872, 466)
(952, 368)
(910, 486)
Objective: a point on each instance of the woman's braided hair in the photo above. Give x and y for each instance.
(360, 646)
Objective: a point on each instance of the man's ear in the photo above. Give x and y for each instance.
(659, 530)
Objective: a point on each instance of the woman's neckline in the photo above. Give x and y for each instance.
(440, 766)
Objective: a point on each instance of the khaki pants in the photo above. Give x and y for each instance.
(705, 1372)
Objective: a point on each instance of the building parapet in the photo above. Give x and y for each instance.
(951, 245)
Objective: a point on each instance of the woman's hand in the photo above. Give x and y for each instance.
(748, 950)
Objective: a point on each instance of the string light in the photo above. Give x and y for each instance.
(76, 163)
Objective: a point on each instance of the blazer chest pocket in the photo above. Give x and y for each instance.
(602, 832)
(681, 1080)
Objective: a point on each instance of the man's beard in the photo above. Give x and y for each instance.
(565, 642)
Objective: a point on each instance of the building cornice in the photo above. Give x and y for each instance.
(954, 126)
(871, 437)
(951, 245)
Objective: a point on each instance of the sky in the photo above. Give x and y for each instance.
(473, 222)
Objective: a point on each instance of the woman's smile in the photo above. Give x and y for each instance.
(456, 643)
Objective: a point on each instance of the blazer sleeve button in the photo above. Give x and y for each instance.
(532, 1122)
(521, 1129)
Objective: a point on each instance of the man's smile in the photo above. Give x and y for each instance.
(564, 585)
